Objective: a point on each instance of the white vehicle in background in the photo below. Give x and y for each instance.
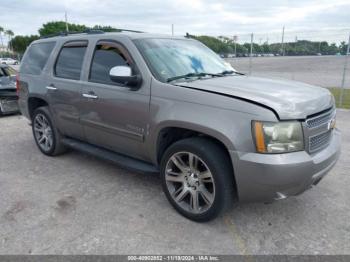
(8, 61)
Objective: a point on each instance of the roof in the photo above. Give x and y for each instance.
(130, 35)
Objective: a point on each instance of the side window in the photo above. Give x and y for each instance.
(70, 60)
(36, 57)
(106, 56)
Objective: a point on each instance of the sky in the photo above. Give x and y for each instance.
(303, 19)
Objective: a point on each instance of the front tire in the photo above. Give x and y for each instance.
(197, 178)
(46, 135)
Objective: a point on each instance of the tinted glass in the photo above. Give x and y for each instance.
(105, 57)
(70, 61)
(4, 71)
(36, 57)
(10, 71)
(168, 58)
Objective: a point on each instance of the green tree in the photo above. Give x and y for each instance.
(224, 45)
(241, 50)
(19, 43)
(106, 28)
(343, 48)
(213, 43)
(324, 47)
(56, 27)
(265, 48)
(333, 49)
(9, 34)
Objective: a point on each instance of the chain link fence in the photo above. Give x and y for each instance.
(306, 57)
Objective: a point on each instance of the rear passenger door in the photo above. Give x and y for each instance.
(64, 88)
(114, 116)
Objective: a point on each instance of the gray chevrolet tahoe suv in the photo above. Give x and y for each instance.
(170, 105)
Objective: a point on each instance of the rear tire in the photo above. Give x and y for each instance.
(197, 178)
(46, 135)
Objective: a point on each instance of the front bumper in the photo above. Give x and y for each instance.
(268, 177)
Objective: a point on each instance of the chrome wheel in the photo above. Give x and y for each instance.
(43, 132)
(190, 182)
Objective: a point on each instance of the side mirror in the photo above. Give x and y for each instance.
(123, 75)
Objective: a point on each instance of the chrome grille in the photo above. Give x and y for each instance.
(320, 119)
(319, 141)
(319, 130)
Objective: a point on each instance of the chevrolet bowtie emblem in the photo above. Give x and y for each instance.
(331, 124)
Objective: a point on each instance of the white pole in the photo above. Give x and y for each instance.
(251, 53)
(282, 45)
(344, 74)
(65, 15)
(172, 29)
(235, 48)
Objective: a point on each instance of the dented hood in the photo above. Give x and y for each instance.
(289, 99)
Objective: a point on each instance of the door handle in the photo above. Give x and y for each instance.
(51, 87)
(90, 95)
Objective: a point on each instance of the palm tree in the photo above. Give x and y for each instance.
(1, 30)
(10, 34)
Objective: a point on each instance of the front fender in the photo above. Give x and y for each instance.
(223, 118)
(233, 129)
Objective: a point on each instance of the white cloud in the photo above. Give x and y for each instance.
(230, 17)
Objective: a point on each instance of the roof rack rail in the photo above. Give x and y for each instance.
(132, 31)
(88, 31)
(93, 31)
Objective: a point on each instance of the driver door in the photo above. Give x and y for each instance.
(114, 116)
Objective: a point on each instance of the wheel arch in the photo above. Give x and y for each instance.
(35, 102)
(168, 135)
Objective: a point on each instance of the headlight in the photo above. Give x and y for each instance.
(279, 137)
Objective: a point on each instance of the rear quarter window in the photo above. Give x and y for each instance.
(36, 58)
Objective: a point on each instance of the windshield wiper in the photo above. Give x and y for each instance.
(191, 75)
(230, 72)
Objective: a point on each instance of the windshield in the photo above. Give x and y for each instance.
(170, 58)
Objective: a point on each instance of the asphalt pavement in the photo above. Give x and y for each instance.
(77, 204)
(325, 71)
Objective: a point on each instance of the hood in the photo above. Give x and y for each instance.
(289, 99)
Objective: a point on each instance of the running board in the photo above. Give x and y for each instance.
(121, 160)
